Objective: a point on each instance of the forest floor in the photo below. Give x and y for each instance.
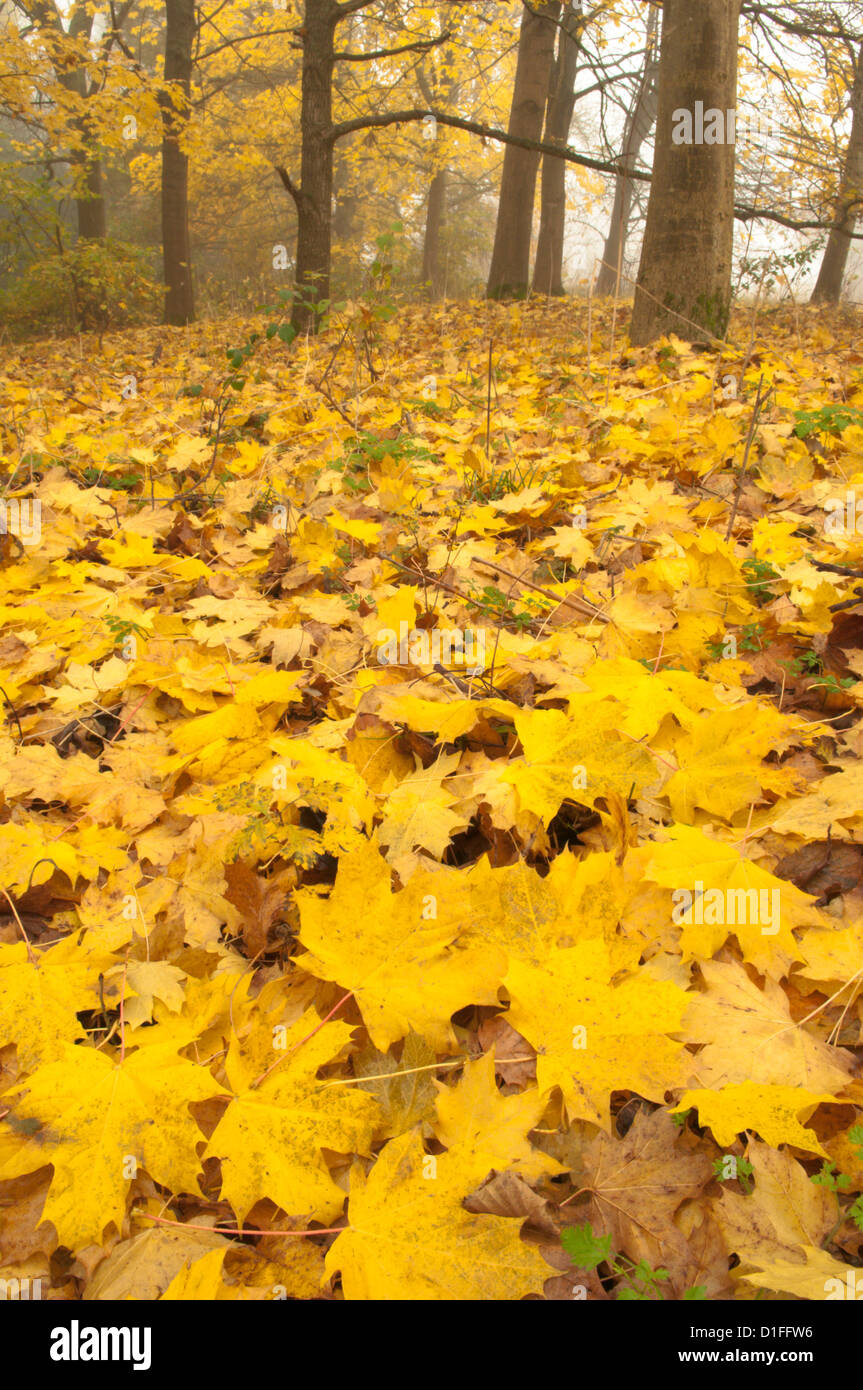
(432, 809)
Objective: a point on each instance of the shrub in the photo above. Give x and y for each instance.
(93, 286)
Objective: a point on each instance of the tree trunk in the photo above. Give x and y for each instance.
(510, 263)
(433, 271)
(548, 265)
(828, 289)
(346, 206)
(90, 206)
(90, 201)
(684, 280)
(638, 126)
(176, 248)
(314, 197)
(433, 275)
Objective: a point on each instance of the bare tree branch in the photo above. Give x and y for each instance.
(603, 166)
(421, 46)
(289, 184)
(807, 25)
(246, 38)
(747, 214)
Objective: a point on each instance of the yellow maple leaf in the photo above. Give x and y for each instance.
(832, 955)
(270, 1137)
(785, 1212)
(418, 814)
(720, 763)
(528, 916)
(487, 1128)
(832, 805)
(199, 1279)
(692, 863)
(819, 1276)
(409, 1236)
(96, 1119)
(750, 1035)
(577, 756)
(773, 1111)
(150, 980)
(270, 687)
(409, 970)
(40, 997)
(593, 1036)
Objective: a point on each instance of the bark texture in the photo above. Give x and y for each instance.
(828, 288)
(434, 253)
(548, 265)
(509, 275)
(314, 197)
(684, 280)
(638, 126)
(174, 104)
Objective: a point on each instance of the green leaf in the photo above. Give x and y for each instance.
(583, 1247)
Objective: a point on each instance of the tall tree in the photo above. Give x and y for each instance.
(433, 268)
(174, 105)
(548, 265)
(68, 51)
(828, 288)
(314, 194)
(639, 124)
(433, 274)
(509, 275)
(90, 199)
(685, 274)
